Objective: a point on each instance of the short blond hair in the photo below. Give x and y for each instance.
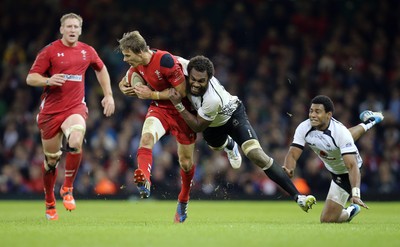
(71, 16)
(133, 41)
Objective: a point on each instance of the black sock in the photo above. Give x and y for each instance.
(230, 144)
(276, 173)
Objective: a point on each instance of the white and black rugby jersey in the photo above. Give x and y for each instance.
(216, 105)
(329, 145)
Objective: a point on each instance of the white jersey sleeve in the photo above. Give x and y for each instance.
(345, 140)
(184, 63)
(300, 133)
(209, 109)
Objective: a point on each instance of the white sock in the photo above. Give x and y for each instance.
(367, 126)
(345, 215)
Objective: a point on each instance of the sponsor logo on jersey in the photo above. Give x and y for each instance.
(60, 54)
(324, 155)
(73, 77)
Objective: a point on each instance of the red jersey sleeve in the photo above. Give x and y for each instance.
(174, 74)
(96, 63)
(42, 62)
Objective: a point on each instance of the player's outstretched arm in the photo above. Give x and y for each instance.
(291, 159)
(355, 179)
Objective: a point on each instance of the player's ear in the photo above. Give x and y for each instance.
(61, 30)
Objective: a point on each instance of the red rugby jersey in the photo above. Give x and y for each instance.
(164, 71)
(56, 58)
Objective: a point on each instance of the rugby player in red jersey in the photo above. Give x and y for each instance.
(161, 71)
(60, 69)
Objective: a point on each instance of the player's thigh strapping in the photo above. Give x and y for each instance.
(340, 188)
(238, 127)
(160, 121)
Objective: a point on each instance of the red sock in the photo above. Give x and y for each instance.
(72, 163)
(49, 180)
(187, 179)
(145, 161)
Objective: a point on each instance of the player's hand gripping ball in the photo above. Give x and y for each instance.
(134, 79)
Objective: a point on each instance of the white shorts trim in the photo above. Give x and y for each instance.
(337, 194)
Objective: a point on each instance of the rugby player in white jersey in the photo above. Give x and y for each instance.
(223, 120)
(334, 145)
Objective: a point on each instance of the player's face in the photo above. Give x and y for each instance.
(132, 58)
(198, 82)
(319, 117)
(71, 30)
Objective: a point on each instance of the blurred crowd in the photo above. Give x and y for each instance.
(275, 55)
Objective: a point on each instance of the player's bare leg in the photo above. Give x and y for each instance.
(185, 153)
(369, 119)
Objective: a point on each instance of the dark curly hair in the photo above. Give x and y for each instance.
(325, 101)
(201, 64)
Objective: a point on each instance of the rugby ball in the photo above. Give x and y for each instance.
(134, 79)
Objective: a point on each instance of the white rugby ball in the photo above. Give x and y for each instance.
(135, 79)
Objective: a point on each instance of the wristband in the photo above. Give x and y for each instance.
(180, 107)
(47, 82)
(155, 95)
(356, 192)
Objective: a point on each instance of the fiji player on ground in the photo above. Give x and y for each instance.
(334, 144)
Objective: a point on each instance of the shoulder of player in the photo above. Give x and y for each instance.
(211, 97)
(304, 128)
(306, 124)
(337, 126)
(338, 131)
(167, 60)
(82, 45)
(49, 46)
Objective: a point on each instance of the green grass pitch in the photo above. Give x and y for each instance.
(210, 223)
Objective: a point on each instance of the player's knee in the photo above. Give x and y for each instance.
(220, 147)
(75, 131)
(260, 158)
(152, 131)
(53, 156)
(327, 219)
(249, 145)
(186, 163)
(74, 143)
(216, 148)
(74, 146)
(51, 163)
(147, 140)
(51, 160)
(75, 135)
